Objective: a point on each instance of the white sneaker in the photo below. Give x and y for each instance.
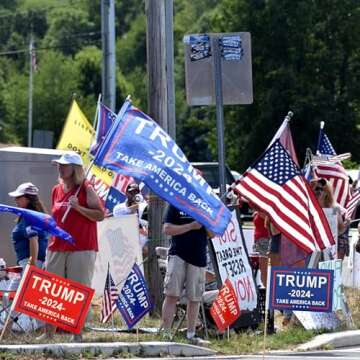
(199, 341)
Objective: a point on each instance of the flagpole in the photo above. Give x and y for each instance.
(30, 109)
(322, 124)
(267, 292)
(109, 285)
(96, 117)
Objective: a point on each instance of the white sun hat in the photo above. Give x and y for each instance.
(69, 158)
(25, 188)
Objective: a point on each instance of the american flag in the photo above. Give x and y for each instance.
(276, 186)
(334, 172)
(111, 294)
(352, 204)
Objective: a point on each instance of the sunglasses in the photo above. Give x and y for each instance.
(319, 188)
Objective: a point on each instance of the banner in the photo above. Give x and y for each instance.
(134, 299)
(137, 146)
(301, 289)
(77, 135)
(225, 309)
(233, 264)
(53, 299)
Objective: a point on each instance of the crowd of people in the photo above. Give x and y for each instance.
(76, 208)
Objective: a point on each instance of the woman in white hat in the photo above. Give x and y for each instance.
(28, 242)
(76, 208)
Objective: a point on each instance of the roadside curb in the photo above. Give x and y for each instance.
(334, 340)
(142, 349)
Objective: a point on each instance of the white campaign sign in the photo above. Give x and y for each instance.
(118, 245)
(233, 263)
(351, 267)
(335, 265)
(318, 320)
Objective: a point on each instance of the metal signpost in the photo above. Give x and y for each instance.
(218, 71)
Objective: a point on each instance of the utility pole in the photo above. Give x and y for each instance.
(30, 108)
(160, 94)
(108, 73)
(169, 48)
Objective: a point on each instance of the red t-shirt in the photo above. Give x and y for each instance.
(260, 230)
(82, 229)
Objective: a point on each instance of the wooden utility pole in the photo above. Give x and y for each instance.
(158, 96)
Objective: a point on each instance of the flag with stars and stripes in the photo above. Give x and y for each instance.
(275, 185)
(105, 121)
(332, 171)
(352, 204)
(111, 294)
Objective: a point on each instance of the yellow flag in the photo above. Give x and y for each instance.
(77, 135)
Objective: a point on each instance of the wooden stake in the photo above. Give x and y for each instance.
(266, 305)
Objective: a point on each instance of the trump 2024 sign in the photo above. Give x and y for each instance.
(53, 299)
(301, 289)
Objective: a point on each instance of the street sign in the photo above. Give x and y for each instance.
(236, 68)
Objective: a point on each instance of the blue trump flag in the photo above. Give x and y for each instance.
(137, 146)
(134, 299)
(39, 220)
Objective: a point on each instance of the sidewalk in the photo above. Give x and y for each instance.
(143, 349)
(332, 340)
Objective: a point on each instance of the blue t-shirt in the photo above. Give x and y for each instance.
(21, 234)
(190, 246)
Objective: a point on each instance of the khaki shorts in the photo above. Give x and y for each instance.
(180, 274)
(75, 265)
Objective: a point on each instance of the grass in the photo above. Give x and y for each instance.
(244, 342)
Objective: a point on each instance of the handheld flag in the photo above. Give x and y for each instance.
(137, 146)
(39, 220)
(285, 138)
(134, 300)
(332, 171)
(106, 119)
(108, 304)
(276, 186)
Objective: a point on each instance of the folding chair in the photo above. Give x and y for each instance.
(8, 287)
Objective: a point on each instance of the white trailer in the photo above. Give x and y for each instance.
(18, 165)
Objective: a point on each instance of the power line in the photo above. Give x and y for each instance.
(79, 35)
(21, 51)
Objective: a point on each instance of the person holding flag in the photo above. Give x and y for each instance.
(29, 242)
(76, 208)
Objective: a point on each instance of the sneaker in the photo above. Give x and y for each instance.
(44, 337)
(199, 341)
(77, 338)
